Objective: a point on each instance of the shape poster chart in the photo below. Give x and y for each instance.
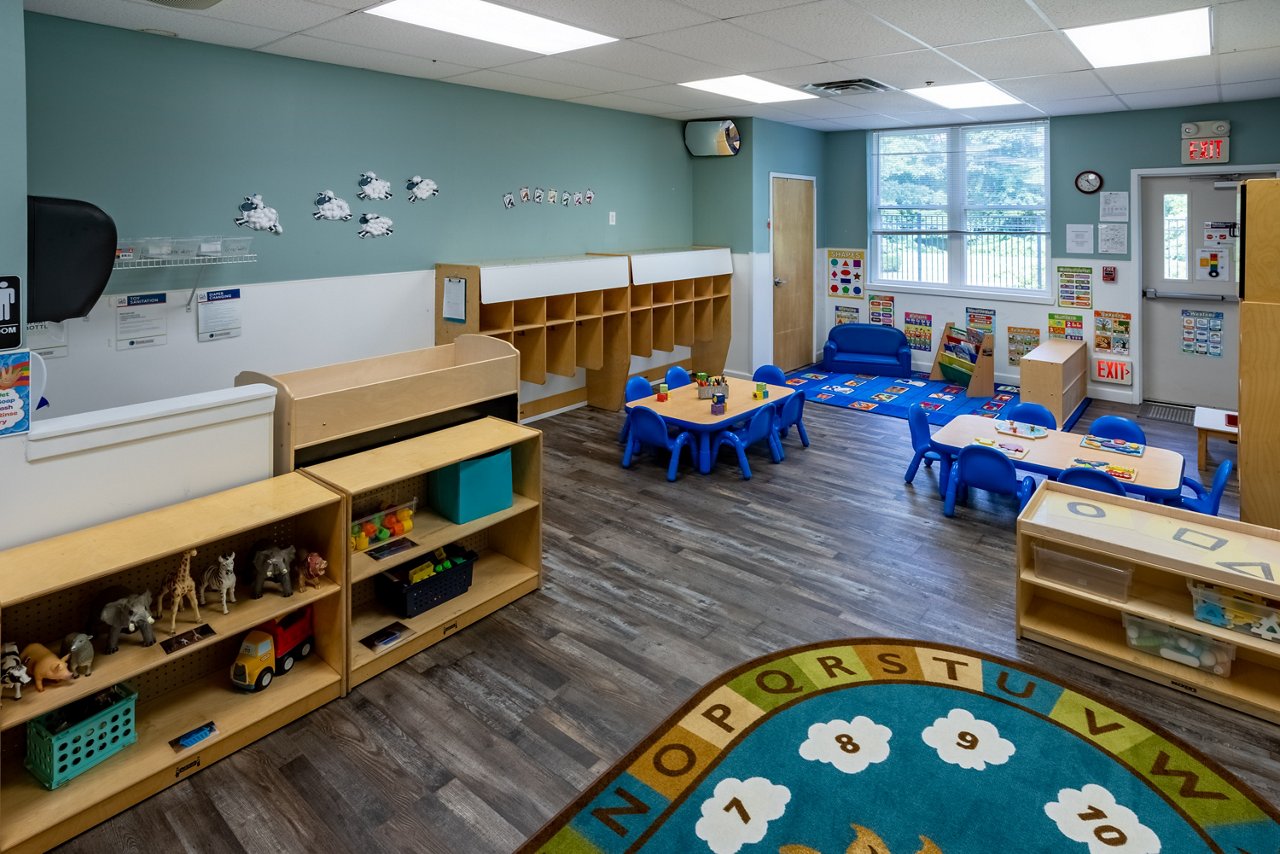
(846, 314)
(141, 321)
(1022, 340)
(981, 319)
(1202, 333)
(1067, 326)
(1111, 332)
(881, 306)
(1075, 287)
(919, 329)
(15, 392)
(846, 270)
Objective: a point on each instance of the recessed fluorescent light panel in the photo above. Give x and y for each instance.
(964, 96)
(1153, 39)
(490, 22)
(746, 88)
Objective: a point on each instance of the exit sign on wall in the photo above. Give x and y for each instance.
(1112, 371)
(1212, 150)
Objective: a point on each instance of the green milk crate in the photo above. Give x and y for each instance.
(469, 489)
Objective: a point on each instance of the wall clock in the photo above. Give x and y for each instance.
(1088, 181)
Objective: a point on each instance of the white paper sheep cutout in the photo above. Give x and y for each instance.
(374, 225)
(259, 217)
(330, 207)
(373, 187)
(421, 188)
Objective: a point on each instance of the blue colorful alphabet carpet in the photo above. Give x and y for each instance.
(892, 395)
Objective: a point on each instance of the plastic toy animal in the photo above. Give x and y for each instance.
(221, 578)
(78, 649)
(125, 615)
(179, 586)
(13, 674)
(273, 564)
(44, 666)
(311, 566)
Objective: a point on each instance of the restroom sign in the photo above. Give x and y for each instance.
(10, 312)
(1113, 371)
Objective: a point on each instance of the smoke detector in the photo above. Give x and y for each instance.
(860, 86)
(191, 5)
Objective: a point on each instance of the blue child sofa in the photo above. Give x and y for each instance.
(866, 348)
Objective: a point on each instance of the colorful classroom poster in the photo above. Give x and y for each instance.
(960, 348)
(919, 329)
(881, 306)
(846, 314)
(982, 319)
(1068, 326)
(1111, 332)
(15, 392)
(1022, 340)
(845, 269)
(1213, 265)
(1202, 333)
(1075, 287)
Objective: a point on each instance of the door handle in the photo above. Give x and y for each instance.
(777, 283)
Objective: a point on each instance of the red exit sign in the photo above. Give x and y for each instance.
(1112, 371)
(1212, 150)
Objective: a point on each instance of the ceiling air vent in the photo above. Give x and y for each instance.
(859, 86)
(186, 4)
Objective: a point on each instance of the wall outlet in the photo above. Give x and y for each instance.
(613, 217)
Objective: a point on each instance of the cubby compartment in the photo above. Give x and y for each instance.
(684, 290)
(496, 317)
(561, 307)
(664, 293)
(703, 287)
(530, 313)
(589, 343)
(1105, 580)
(683, 323)
(617, 301)
(590, 304)
(720, 285)
(664, 329)
(1189, 649)
(641, 296)
(642, 332)
(562, 351)
(531, 341)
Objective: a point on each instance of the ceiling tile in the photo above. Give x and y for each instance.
(620, 20)
(139, 16)
(889, 103)
(874, 122)
(819, 124)
(729, 46)
(288, 15)
(1055, 87)
(818, 72)
(731, 8)
(823, 28)
(377, 33)
(1021, 56)
(487, 78)
(350, 5)
(1154, 76)
(319, 50)
(935, 117)
(1079, 106)
(1249, 65)
(631, 57)
(683, 96)
(1246, 25)
(944, 22)
(1253, 90)
(909, 70)
(1171, 98)
(556, 70)
(823, 108)
(1005, 113)
(772, 112)
(627, 102)
(1083, 13)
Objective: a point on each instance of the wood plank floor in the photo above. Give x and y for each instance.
(652, 589)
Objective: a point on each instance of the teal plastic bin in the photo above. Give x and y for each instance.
(66, 742)
(472, 488)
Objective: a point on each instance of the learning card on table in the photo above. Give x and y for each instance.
(1009, 449)
(1118, 472)
(1017, 428)
(1116, 446)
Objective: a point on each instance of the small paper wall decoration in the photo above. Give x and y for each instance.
(421, 188)
(373, 187)
(330, 207)
(256, 215)
(374, 225)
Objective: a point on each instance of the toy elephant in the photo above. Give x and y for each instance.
(78, 647)
(125, 615)
(273, 564)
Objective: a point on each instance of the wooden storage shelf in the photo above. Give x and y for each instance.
(664, 293)
(497, 317)
(684, 290)
(590, 343)
(562, 349)
(664, 327)
(509, 541)
(617, 301)
(1164, 547)
(561, 308)
(642, 332)
(1055, 374)
(683, 322)
(532, 344)
(590, 304)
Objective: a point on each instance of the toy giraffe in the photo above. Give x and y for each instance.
(179, 585)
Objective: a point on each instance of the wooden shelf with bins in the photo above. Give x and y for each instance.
(509, 541)
(180, 691)
(1163, 547)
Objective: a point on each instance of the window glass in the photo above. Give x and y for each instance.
(1175, 236)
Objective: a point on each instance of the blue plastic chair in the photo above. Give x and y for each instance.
(791, 414)
(1205, 501)
(759, 429)
(1032, 413)
(1092, 479)
(649, 430)
(770, 374)
(985, 468)
(637, 387)
(676, 377)
(1118, 427)
(922, 444)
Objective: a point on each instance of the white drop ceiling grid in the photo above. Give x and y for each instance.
(1018, 45)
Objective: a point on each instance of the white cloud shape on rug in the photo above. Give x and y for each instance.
(961, 739)
(1091, 815)
(739, 811)
(851, 746)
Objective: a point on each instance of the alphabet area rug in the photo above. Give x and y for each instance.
(942, 399)
(889, 746)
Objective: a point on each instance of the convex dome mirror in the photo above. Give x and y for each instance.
(715, 138)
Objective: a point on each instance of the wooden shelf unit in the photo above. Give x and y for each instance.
(1055, 374)
(1163, 547)
(509, 541)
(180, 691)
(1259, 438)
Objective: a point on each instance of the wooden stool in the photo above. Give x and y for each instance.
(1211, 422)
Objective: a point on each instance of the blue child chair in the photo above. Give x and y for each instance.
(676, 377)
(1206, 500)
(759, 429)
(791, 414)
(1032, 413)
(770, 374)
(1118, 427)
(649, 430)
(636, 388)
(922, 444)
(986, 468)
(1092, 479)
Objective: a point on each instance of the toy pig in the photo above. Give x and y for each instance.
(13, 674)
(78, 648)
(44, 665)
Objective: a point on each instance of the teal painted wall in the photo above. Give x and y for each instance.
(722, 204)
(168, 136)
(13, 146)
(786, 149)
(844, 193)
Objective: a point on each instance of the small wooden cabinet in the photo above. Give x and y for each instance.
(1158, 549)
(48, 588)
(1055, 375)
(1259, 440)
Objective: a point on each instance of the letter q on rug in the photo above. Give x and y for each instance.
(891, 746)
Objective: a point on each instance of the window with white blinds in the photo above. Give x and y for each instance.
(962, 207)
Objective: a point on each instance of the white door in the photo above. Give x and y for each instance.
(1190, 316)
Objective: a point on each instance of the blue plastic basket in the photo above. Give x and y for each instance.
(472, 488)
(64, 743)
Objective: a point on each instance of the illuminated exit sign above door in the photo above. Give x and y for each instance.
(1212, 150)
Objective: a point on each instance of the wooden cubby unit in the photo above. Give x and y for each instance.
(562, 350)
(180, 691)
(617, 301)
(1163, 548)
(509, 541)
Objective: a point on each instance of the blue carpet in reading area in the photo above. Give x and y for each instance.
(943, 400)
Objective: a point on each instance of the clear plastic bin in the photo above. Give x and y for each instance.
(1109, 582)
(210, 245)
(368, 531)
(157, 247)
(235, 246)
(185, 247)
(128, 249)
(1247, 613)
(1174, 644)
